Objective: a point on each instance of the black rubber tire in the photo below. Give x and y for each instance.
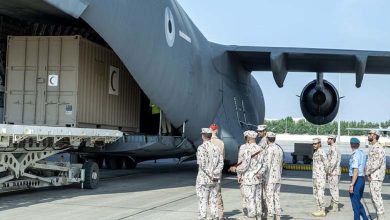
(92, 175)
(294, 159)
(306, 160)
(130, 164)
(114, 163)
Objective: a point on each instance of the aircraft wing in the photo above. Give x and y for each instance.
(281, 60)
(369, 129)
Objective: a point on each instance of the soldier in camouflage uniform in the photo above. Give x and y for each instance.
(375, 171)
(262, 133)
(241, 151)
(250, 170)
(210, 163)
(219, 143)
(273, 177)
(334, 172)
(320, 167)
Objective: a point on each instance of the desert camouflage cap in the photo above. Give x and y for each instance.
(206, 131)
(375, 132)
(250, 134)
(316, 140)
(271, 134)
(332, 136)
(261, 127)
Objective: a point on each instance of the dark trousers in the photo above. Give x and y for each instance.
(356, 196)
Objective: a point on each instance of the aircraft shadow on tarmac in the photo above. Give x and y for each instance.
(150, 176)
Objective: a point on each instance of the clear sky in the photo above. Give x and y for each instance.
(334, 24)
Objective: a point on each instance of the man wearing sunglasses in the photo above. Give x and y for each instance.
(320, 167)
(375, 171)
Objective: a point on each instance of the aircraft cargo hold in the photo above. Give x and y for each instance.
(68, 81)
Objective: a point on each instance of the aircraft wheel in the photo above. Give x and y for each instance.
(306, 160)
(130, 164)
(294, 159)
(114, 163)
(91, 175)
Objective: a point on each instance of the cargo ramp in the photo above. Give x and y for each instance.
(24, 150)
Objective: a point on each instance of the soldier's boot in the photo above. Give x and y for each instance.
(270, 217)
(319, 213)
(335, 207)
(330, 207)
(380, 216)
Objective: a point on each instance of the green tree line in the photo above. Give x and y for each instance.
(288, 125)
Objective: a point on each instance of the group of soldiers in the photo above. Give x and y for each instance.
(259, 171)
(327, 167)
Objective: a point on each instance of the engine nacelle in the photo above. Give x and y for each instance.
(319, 102)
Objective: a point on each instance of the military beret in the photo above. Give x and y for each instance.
(214, 127)
(354, 141)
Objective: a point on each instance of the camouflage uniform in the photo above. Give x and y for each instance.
(251, 170)
(273, 178)
(320, 167)
(240, 159)
(263, 145)
(334, 158)
(210, 163)
(219, 143)
(376, 168)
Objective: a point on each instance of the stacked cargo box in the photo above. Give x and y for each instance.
(68, 81)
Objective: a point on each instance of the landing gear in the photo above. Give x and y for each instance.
(130, 164)
(113, 162)
(307, 160)
(294, 159)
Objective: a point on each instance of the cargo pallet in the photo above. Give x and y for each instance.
(24, 150)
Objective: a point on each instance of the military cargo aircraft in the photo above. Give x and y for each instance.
(194, 81)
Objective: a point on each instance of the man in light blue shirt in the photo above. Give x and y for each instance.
(357, 164)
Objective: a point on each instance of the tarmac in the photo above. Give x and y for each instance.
(166, 190)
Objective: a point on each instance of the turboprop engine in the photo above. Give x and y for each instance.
(319, 101)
